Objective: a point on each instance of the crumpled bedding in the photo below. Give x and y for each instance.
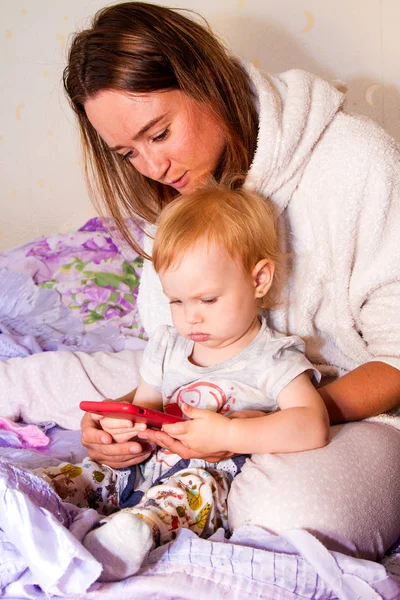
(41, 555)
(44, 535)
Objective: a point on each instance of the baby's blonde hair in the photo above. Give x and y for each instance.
(240, 221)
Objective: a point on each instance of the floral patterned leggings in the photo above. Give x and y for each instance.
(193, 498)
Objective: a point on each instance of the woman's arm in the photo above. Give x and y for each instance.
(369, 390)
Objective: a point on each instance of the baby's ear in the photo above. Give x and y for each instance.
(263, 275)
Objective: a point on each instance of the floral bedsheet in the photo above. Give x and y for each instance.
(96, 277)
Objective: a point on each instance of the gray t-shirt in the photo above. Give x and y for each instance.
(251, 380)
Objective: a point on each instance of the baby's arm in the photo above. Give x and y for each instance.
(148, 397)
(123, 430)
(301, 424)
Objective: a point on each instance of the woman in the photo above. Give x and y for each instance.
(162, 107)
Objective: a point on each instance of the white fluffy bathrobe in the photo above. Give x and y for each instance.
(335, 180)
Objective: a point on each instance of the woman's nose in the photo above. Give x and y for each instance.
(155, 166)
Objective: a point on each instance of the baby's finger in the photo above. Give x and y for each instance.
(139, 427)
(122, 437)
(126, 431)
(96, 417)
(111, 423)
(175, 429)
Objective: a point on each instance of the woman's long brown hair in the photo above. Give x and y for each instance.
(135, 47)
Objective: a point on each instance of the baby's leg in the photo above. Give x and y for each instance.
(120, 544)
(192, 498)
(87, 484)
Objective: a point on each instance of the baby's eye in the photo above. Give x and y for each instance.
(209, 300)
(175, 301)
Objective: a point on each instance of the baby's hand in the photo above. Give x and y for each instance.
(121, 430)
(204, 432)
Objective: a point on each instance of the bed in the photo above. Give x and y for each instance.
(77, 293)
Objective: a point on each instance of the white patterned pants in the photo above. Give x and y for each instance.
(192, 498)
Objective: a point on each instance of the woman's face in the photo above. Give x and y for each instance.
(166, 136)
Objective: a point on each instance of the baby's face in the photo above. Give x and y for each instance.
(212, 299)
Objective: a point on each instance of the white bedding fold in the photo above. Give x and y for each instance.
(49, 386)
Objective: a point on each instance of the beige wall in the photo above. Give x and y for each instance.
(42, 189)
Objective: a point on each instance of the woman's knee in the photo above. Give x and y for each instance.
(346, 494)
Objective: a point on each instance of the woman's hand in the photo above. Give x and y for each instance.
(102, 449)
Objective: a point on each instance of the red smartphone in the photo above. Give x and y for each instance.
(133, 412)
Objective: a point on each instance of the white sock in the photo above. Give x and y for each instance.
(120, 545)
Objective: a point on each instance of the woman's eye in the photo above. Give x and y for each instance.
(209, 300)
(127, 156)
(158, 138)
(161, 136)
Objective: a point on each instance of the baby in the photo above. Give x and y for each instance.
(216, 255)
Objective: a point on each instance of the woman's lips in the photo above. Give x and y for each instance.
(181, 182)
